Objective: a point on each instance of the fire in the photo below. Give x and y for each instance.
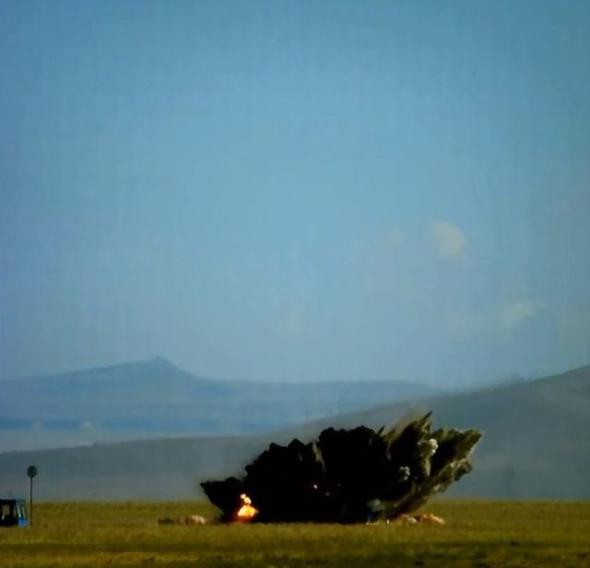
(246, 512)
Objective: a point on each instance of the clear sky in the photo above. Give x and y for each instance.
(330, 190)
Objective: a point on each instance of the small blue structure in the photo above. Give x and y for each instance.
(13, 513)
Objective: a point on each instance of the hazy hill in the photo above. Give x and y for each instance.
(536, 444)
(151, 399)
(537, 435)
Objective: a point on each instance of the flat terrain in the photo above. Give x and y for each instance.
(477, 533)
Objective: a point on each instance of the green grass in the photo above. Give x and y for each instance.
(477, 533)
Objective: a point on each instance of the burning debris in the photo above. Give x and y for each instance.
(246, 512)
(347, 476)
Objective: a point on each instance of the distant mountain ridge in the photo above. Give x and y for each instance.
(536, 434)
(536, 444)
(154, 398)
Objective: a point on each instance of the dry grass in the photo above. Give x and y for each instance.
(477, 533)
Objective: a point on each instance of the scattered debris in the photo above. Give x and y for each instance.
(430, 519)
(405, 520)
(424, 519)
(189, 520)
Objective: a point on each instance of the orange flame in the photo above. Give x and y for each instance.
(246, 512)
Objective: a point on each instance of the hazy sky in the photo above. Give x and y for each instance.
(296, 190)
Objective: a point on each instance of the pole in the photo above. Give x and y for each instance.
(31, 472)
(31, 499)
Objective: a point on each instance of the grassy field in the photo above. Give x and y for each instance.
(477, 533)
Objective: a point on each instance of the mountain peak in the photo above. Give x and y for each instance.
(159, 361)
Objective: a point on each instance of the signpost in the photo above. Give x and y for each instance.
(31, 472)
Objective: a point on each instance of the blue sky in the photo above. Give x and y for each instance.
(296, 190)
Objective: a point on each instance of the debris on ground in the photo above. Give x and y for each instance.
(188, 520)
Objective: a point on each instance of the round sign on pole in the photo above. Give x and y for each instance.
(31, 472)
